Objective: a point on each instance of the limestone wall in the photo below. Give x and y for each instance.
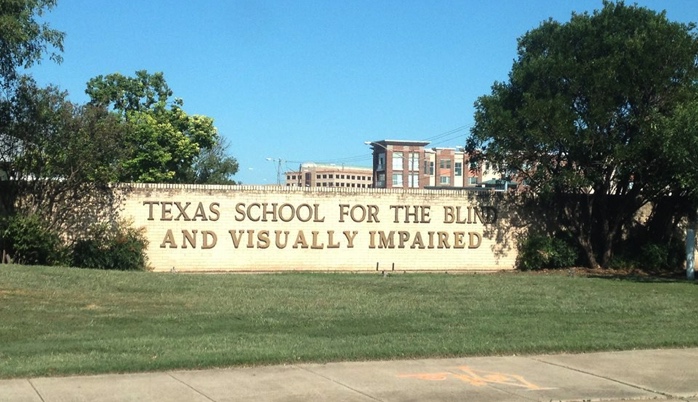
(259, 228)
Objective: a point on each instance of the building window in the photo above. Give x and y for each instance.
(331, 176)
(413, 180)
(429, 167)
(381, 162)
(459, 168)
(445, 180)
(380, 181)
(472, 180)
(397, 179)
(413, 162)
(398, 158)
(445, 164)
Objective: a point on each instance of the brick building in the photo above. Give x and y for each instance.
(319, 175)
(409, 164)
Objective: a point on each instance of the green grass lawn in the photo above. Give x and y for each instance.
(58, 321)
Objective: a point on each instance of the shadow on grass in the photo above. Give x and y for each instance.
(644, 276)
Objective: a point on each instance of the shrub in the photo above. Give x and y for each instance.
(639, 253)
(541, 251)
(29, 241)
(653, 256)
(118, 246)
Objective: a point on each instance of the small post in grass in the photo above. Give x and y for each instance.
(690, 253)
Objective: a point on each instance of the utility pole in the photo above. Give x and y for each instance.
(690, 253)
(278, 169)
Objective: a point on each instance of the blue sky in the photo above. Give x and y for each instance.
(311, 80)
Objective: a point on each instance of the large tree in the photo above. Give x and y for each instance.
(23, 39)
(163, 142)
(58, 158)
(586, 113)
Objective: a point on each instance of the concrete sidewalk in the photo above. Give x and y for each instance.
(632, 375)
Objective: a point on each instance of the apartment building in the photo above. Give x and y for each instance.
(410, 164)
(319, 175)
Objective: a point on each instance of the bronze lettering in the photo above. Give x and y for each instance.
(443, 240)
(166, 212)
(263, 239)
(343, 211)
(250, 239)
(372, 213)
(309, 210)
(189, 237)
(236, 236)
(213, 208)
(330, 240)
(168, 240)
(417, 242)
(200, 212)
(300, 240)
(350, 238)
(316, 245)
(249, 209)
(240, 212)
(150, 205)
(458, 239)
(316, 214)
(278, 234)
(182, 211)
(209, 239)
(402, 237)
(474, 240)
(273, 212)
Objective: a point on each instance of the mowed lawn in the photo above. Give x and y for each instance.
(59, 321)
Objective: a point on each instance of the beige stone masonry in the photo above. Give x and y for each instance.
(261, 228)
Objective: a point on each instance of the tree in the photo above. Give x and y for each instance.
(23, 40)
(163, 142)
(59, 158)
(213, 166)
(585, 113)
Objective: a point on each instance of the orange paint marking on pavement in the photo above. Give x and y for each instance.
(478, 378)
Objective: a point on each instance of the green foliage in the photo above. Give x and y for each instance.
(163, 143)
(213, 166)
(541, 251)
(142, 93)
(23, 39)
(649, 256)
(679, 145)
(117, 246)
(49, 137)
(598, 107)
(62, 158)
(28, 240)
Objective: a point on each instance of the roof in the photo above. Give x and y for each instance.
(313, 165)
(399, 142)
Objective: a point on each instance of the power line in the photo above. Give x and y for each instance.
(444, 137)
(449, 132)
